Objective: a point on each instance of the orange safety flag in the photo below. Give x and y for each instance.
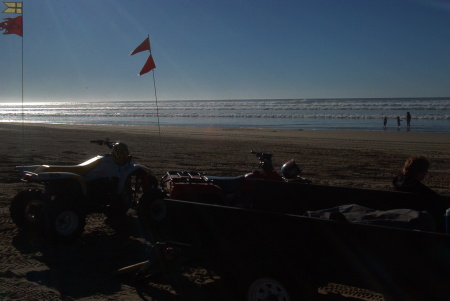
(149, 65)
(12, 26)
(144, 46)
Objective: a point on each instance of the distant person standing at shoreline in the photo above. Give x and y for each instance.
(398, 121)
(384, 122)
(408, 120)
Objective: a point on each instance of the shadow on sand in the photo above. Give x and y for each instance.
(86, 267)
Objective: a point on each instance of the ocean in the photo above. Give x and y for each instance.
(428, 114)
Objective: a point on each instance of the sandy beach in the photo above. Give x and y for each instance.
(32, 270)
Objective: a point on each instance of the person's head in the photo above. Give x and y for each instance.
(416, 167)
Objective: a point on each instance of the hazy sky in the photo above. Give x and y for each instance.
(230, 49)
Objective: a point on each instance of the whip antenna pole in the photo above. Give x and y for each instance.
(23, 110)
(156, 102)
(157, 114)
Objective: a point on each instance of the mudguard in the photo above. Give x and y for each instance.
(55, 176)
(130, 169)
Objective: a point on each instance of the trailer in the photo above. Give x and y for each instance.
(281, 247)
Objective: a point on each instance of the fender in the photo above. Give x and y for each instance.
(54, 176)
(28, 169)
(133, 167)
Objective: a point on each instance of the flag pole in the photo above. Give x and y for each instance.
(23, 110)
(156, 103)
(157, 113)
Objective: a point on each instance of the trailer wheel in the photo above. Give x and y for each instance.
(27, 207)
(266, 288)
(63, 222)
(272, 281)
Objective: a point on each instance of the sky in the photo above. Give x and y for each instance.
(79, 50)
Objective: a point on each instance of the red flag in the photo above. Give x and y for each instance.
(144, 46)
(149, 65)
(12, 26)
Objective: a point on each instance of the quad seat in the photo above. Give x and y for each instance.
(79, 169)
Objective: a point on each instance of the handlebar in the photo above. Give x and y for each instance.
(262, 156)
(265, 160)
(106, 142)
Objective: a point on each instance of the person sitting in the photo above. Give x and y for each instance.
(414, 171)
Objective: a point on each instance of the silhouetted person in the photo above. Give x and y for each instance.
(408, 119)
(414, 171)
(398, 121)
(384, 121)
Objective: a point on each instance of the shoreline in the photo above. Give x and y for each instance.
(388, 129)
(327, 132)
(258, 133)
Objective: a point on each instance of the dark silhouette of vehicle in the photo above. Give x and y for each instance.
(277, 250)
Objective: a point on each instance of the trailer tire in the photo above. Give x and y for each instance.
(27, 207)
(267, 288)
(269, 281)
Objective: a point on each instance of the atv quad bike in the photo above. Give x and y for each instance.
(234, 191)
(237, 191)
(57, 209)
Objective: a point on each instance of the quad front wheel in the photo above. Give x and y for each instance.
(63, 222)
(27, 207)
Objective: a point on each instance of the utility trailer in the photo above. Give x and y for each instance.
(276, 250)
